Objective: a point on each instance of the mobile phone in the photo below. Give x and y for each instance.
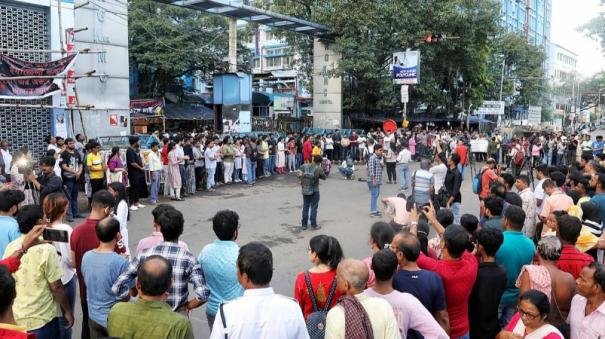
(54, 235)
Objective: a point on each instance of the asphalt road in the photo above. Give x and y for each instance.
(270, 213)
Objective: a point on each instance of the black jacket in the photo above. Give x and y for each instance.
(453, 181)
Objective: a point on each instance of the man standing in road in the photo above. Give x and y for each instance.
(309, 180)
(375, 179)
(71, 169)
(48, 182)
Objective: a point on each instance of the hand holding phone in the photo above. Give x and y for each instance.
(55, 235)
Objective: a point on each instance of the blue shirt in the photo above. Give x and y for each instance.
(100, 271)
(516, 250)
(599, 199)
(219, 264)
(425, 285)
(9, 231)
(597, 147)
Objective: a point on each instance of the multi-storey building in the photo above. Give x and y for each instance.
(563, 76)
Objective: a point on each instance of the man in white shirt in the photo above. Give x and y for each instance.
(529, 205)
(403, 159)
(352, 277)
(587, 312)
(439, 170)
(210, 158)
(155, 169)
(7, 159)
(541, 175)
(259, 313)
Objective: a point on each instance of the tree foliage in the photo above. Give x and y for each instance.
(368, 32)
(595, 28)
(167, 42)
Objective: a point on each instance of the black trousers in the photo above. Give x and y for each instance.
(391, 171)
(97, 185)
(199, 176)
(85, 328)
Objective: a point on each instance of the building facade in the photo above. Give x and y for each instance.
(563, 76)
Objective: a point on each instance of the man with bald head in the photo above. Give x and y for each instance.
(356, 315)
(149, 316)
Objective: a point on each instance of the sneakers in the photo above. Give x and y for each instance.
(315, 228)
(140, 206)
(133, 208)
(304, 227)
(375, 215)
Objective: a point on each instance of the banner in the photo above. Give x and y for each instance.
(146, 106)
(406, 68)
(34, 88)
(491, 108)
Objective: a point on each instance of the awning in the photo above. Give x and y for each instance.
(260, 99)
(187, 112)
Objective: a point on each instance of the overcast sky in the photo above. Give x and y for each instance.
(567, 16)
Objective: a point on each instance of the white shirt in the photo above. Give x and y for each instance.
(261, 314)
(155, 164)
(65, 252)
(210, 155)
(585, 326)
(404, 156)
(121, 215)
(539, 195)
(439, 172)
(8, 159)
(180, 153)
(329, 143)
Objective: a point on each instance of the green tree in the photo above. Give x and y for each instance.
(167, 42)
(453, 73)
(595, 28)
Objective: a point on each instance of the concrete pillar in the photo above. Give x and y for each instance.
(327, 88)
(232, 45)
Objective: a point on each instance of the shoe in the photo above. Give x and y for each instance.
(141, 206)
(211, 190)
(133, 208)
(315, 228)
(304, 228)
(179, 199)
(151, 202)
(375, 215)
(390, 182)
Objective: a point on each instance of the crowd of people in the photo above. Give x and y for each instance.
(529, 265)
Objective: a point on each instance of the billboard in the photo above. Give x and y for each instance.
(534, 115)
(406, 68)
(491, 108)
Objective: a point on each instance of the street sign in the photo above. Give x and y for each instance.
(405, 97)
(491, 108)
(534, 115)
(406, 68)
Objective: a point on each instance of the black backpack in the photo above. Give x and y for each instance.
(316, 321)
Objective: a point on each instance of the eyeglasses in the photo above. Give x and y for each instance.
(526, 315)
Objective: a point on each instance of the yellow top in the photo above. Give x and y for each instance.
(95, 166)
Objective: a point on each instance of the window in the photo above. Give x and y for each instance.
(269, 36)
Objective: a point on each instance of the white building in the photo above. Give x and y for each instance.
(562, 73)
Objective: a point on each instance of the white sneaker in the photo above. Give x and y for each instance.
(133, 208)
(140, 206)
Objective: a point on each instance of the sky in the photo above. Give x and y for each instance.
(567, 16)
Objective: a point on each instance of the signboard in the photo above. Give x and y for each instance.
(33, 88)
(479, 145)
(146, 106)
(405, 96)
(491, 108)
(406, 68)
(534, 115)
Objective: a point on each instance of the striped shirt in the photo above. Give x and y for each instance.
(375, 169)
(422, 182)
(595, 228)
(573, 261)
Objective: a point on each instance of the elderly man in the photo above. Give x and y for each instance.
(356, 315)
(587, 312)
(423, 184)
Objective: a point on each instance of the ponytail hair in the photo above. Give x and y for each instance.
(382, 234)
(327, 249)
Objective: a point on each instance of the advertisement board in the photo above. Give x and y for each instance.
(491, 108)
(534, 115)
(406, 68)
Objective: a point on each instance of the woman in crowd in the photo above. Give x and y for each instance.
(412, 145)
(545, 277)
(117, 170)
(381, 236)
(325, 254)
(280, 166)
(329, 144)
(390, 159)
(55, 209)
(118, 190)
(198, 157)
(530, 321)
(174, 173)
(238, 160)
(292, 155)
(228, 156)
(22, 159)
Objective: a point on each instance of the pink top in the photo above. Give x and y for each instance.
(535, 150)
(155, 239)
(539, 279)
(412, 145)
(556, 202)
(582, 325)
(371, 277)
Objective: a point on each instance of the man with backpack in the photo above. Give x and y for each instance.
(309, 180)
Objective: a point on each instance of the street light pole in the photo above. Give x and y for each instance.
(501, 88)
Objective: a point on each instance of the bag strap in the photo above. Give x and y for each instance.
(310, 290)
(553, 296)
(223, 319)
(330, 295)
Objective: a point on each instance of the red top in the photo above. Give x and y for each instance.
(83, 239)
(321, 284)
(462, 151)
(573, 261)
(488, 177)
(307, 150)
(165, 154)
(12, 264)
(14, 334)
(516, 318)
(458, 279)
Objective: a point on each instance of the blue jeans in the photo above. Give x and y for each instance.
(72, 188)
(546, 160)
(251, 171)
(345, 172)
(272, 163)
(466, 336)
(374, 193)
(461, 169)
(155, 185)
(48, 331)
(455, 207)
(505, 313)
(354, 151)
(404, 171)
(70, 293)
(299, 160)
(210, 179)
(311, 201)
(267, 166)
